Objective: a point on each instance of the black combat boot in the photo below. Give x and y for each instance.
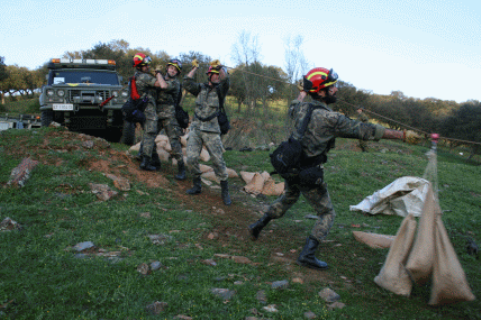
(140, 155)
(181, 174)
(155, 162)
(225, 193)
(146, 164)
(197, 188)
(257, 226)
(307, 258)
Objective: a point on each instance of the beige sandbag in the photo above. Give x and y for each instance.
(421, 258)
(232, 173)
(271, 188)
(247, 176)
(134, 148)
(204, 168)
(174, 161)
(393, 276)
(164, 141)
(204, 155)
(449, 281)
(183, 140)
(256, 185)
(163, 155)
(374, 240)
(266, 175)
(210, 176)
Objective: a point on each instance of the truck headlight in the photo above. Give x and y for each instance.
(60, 93)
(124, 94)
(50, 93)
(115, 93)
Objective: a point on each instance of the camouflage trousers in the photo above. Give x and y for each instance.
(153, 125)
(318, 198)
(213, 144)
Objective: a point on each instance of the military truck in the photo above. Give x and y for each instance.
(86, 95)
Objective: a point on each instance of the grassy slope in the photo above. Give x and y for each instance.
(40, 278)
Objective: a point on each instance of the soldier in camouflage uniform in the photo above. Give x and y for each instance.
(166, 100)
(323, 128)
(204, 129)
(147, 85)
(362, 117)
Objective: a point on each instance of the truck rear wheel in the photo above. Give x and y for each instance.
(46, 117)
(128, 133)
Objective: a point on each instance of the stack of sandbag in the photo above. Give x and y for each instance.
(164, 149)
(428, 256)
(208, 175)
(261, 183)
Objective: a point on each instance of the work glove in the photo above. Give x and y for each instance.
(304, 85)
(158, 68)
(215, 63)
(411, 137)
(195, 63)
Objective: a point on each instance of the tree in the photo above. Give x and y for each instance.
(3, 77)
(464, 124)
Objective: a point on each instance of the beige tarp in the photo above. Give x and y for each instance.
(403, 196)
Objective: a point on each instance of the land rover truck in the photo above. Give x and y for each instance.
(86, 95)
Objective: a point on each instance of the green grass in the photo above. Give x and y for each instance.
(42, 278)
(15, 108)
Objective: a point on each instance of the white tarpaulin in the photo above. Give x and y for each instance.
(403, 196)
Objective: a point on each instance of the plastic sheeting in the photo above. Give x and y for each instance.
(403, 196)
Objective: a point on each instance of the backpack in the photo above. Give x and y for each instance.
(224, 123)
(133, 109)
(180, 114)
(286, 158)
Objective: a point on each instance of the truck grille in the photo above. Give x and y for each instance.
(87, 96)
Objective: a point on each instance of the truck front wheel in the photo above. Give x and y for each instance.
(46, 117)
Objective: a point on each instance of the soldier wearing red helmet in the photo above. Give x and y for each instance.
(205, 128)
(323, 127)
(148, 87)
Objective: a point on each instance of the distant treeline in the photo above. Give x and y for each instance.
(256, 86)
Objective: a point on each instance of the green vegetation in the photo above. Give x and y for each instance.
(42, 277)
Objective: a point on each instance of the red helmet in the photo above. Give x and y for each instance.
(141, 60)
(321, 78)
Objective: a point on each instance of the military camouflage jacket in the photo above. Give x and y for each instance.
(362, 117)
(207, 103)
(146, 85)
(325, 125)
(165, 98)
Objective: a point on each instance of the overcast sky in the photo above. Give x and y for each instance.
(428, 48)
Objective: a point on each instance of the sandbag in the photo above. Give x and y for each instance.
(421, 258)
(211, 176)
(374, 240)
(231, 173)
(271, 188)
(164, 156)
(256, 185)
(205, 168)
(247, 176)
(449, 281)
(393, 276)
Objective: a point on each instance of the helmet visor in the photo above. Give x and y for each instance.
(147, 60)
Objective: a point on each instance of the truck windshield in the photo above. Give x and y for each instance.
(60, 77)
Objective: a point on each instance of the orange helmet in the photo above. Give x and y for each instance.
(141, 60)
(321, 78)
